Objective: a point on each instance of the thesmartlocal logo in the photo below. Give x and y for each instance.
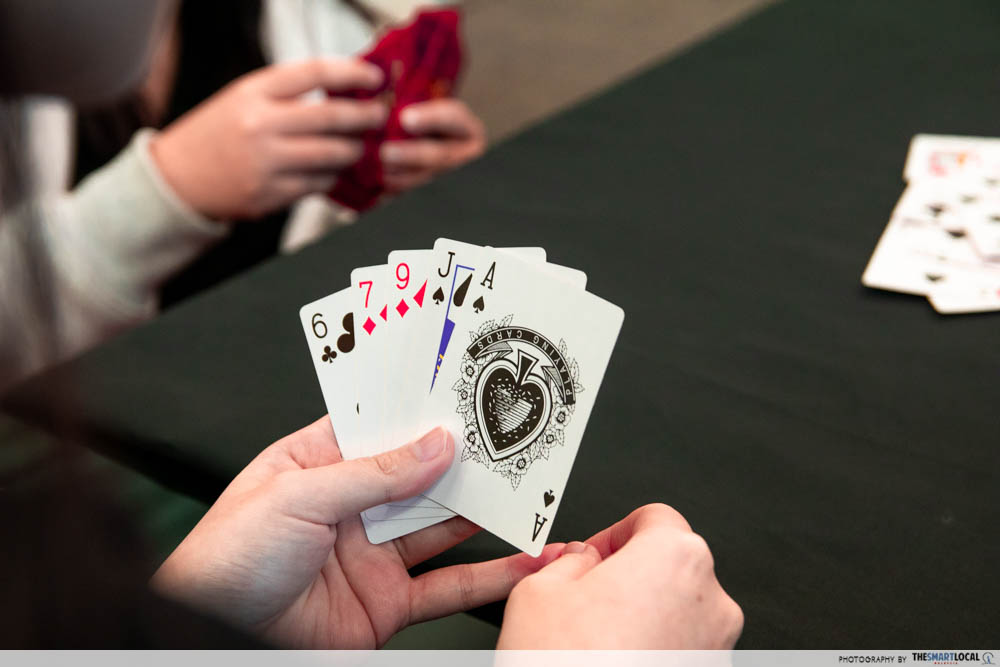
(954, 657)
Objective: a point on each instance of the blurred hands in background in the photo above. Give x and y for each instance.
(447, 134)
(255, 146)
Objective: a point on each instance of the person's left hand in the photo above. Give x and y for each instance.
(283, 553)
(446, 135)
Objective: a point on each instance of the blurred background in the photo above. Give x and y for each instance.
(560, 51)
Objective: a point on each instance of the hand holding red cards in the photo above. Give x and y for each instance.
(427, 131)
(254, 147)
(943, 239)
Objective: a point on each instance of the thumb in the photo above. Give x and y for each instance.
(576, 560)
(329, 494)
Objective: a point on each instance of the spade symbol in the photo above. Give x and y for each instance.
(995, 217)
(328, 354)
(936, 209)
(479, 304)
(548, 497)
(460, 293)
(933, 277)
(969, 199)
(956, 233)
(438, 296)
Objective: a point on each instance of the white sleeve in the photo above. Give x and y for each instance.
(110, 244)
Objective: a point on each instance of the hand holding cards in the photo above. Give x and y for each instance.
(943, 239)
(419, 62)
(504, 350)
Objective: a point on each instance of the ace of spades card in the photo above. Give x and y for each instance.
(516, 389)
(416, 321)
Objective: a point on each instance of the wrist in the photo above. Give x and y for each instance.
(187, 185)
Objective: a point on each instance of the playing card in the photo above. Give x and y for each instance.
(913, 256)
(416, 330)
(372, 315)
(329, 326)
(934, 156)
(982, 222)
(927, 242)
(939, 203)
(411, 274)
(503, 349)
(515, 390)
(979, 297)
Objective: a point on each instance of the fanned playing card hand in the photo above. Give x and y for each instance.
(502, 348)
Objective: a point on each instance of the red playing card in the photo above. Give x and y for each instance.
(420, 61)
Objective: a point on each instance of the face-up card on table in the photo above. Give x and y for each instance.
(982, 222)
(942, 204)
(516, 393)
(913, 257)
(975, 298)
(934, 156)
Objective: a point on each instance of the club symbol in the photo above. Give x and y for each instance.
(956, 233)
(995, 217)
(548, 497)
(933, 277)
(936, 209)
(479, 304)
(438, 296)
(328, 354)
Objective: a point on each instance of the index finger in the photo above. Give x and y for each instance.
(291, 79)
(447, 116)
(614, 537)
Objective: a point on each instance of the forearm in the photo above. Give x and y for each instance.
(98, 258)
(122, 231)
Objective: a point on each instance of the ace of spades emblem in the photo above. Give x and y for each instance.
(512, 405)
(516, 392)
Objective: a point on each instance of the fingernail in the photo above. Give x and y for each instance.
(575, 548)
(390, 153)
(377, 76)
(408, 118)
(431, 445)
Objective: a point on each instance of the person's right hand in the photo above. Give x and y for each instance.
(256, 146)
(647, 582)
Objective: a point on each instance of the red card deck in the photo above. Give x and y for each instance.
(420, 61)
